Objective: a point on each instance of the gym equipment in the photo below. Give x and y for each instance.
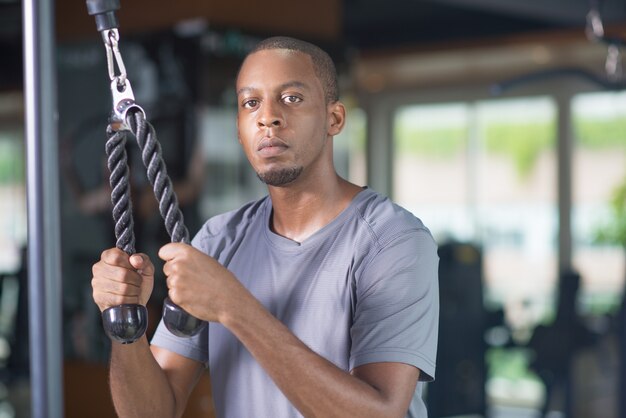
(462, 374)
(613, 77)
(126, 323)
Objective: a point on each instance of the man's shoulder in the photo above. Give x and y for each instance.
(386, 220)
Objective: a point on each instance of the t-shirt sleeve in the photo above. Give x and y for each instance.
(396, 314)
(194, 347)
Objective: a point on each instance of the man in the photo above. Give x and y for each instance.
(322, 298)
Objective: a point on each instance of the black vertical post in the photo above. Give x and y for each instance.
(44, 278)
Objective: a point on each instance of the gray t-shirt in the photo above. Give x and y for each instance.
(363, 289)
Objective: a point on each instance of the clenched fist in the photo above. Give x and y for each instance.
(199, 284)
(122, 279)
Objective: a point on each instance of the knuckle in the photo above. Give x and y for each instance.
(175, 268)
(118, 258)
(109, 254)
(173, 280)
(114, 256)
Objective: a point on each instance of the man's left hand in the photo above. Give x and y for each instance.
(199, 284)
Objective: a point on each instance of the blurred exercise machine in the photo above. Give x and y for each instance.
(459, 388)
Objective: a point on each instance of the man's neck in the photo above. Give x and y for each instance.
(301, 209)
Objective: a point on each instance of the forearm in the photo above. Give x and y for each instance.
(139, 386)
(315, 386)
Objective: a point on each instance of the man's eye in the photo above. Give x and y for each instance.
(248, 104)
(292, 99)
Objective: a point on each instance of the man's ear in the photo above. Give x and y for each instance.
(337, 118)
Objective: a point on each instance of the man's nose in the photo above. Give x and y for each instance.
(270, 117)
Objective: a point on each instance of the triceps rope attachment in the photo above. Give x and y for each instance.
(126, 323)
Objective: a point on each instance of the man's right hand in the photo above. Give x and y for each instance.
(122, 279)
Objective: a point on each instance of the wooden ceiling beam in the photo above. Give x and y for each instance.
(320, 19)
(478, 61)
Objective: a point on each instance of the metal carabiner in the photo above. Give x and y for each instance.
(121, 90)
(111, 37)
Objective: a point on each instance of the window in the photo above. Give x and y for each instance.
(516, 204)
(485, 172)
(599, 172)
(431, 168)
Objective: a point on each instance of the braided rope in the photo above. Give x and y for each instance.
(156, 171)
(125, 323)
(117, 162)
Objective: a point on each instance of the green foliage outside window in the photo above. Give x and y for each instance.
(600, 133)
(613, 232)
(522, 142)
(430, 142)
(438, 131)
(11, 162)
(508, 363)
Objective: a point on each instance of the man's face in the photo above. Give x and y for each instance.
(282, 115)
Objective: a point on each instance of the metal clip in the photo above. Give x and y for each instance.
(122, 92)
(123, 101)
(111, 43)
(613, 64)
(594, 28)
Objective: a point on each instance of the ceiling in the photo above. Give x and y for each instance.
(381, 24)
(384, 23)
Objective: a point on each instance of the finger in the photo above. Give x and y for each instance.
(116, 274)
(142, 263)
(116, 257)
(171, 250)
(173, 268)
(105, 298)
(123, 289)
(167, 268)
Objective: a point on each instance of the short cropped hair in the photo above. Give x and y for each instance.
(323, 65)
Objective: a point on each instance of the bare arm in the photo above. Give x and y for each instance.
(150, 381)
(145, 381)
(315, 386)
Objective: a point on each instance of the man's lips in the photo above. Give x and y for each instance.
(270, 147)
